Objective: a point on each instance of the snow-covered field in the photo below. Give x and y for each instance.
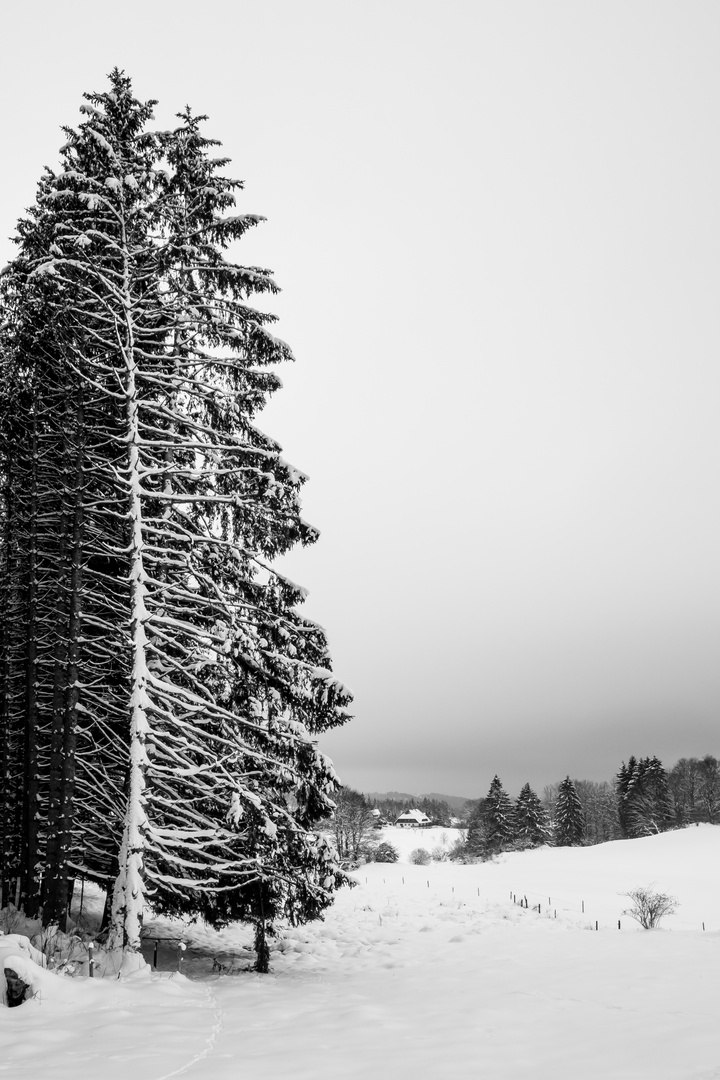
(421, 972)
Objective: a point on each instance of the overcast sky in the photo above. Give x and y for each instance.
(497, 231)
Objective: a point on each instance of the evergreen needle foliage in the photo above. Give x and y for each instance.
(492, 827)
(643, 796)
(531, 821)
(161, 691)
(569, 816)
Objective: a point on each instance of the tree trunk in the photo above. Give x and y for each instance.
(129, 892)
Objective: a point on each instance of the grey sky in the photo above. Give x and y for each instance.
(497, 229)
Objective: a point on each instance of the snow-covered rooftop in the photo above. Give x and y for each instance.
(413, 817)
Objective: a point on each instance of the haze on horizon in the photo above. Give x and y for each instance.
(497, 232)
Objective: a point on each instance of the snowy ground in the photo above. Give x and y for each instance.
(421, 972)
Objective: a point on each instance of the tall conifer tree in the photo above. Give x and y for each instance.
(532, 825)
(644, 800)
(569, 816)
(492, 826)
(182, 691)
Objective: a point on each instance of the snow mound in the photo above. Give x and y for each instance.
(28, 963)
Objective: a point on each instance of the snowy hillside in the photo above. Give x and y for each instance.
(681, 863)
(422, 971)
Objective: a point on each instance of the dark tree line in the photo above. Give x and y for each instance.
(644, 804)
(161, 691)
(498, 824)
(599, 804)
(643, 799)
(436, 809)
(695, 789)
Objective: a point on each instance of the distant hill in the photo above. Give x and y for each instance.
(455, 802)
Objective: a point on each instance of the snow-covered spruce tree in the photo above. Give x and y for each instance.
(224, 504)
(491, 827)
(38, 452)
(569, 817)
(622, 786)
(62, 352)
(532, 826)
(12, 612)
(644, 798)
(208, 687)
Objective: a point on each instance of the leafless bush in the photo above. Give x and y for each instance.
(352, 823)
(648, 906)
(420, 856)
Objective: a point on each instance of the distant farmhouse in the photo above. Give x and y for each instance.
(413, 819)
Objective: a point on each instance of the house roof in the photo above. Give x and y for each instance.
(414, 815)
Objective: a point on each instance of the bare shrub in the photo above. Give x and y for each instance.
(648, 906)
(352, 823)
(420, 856)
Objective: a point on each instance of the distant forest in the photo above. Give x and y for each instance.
(643, 798)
